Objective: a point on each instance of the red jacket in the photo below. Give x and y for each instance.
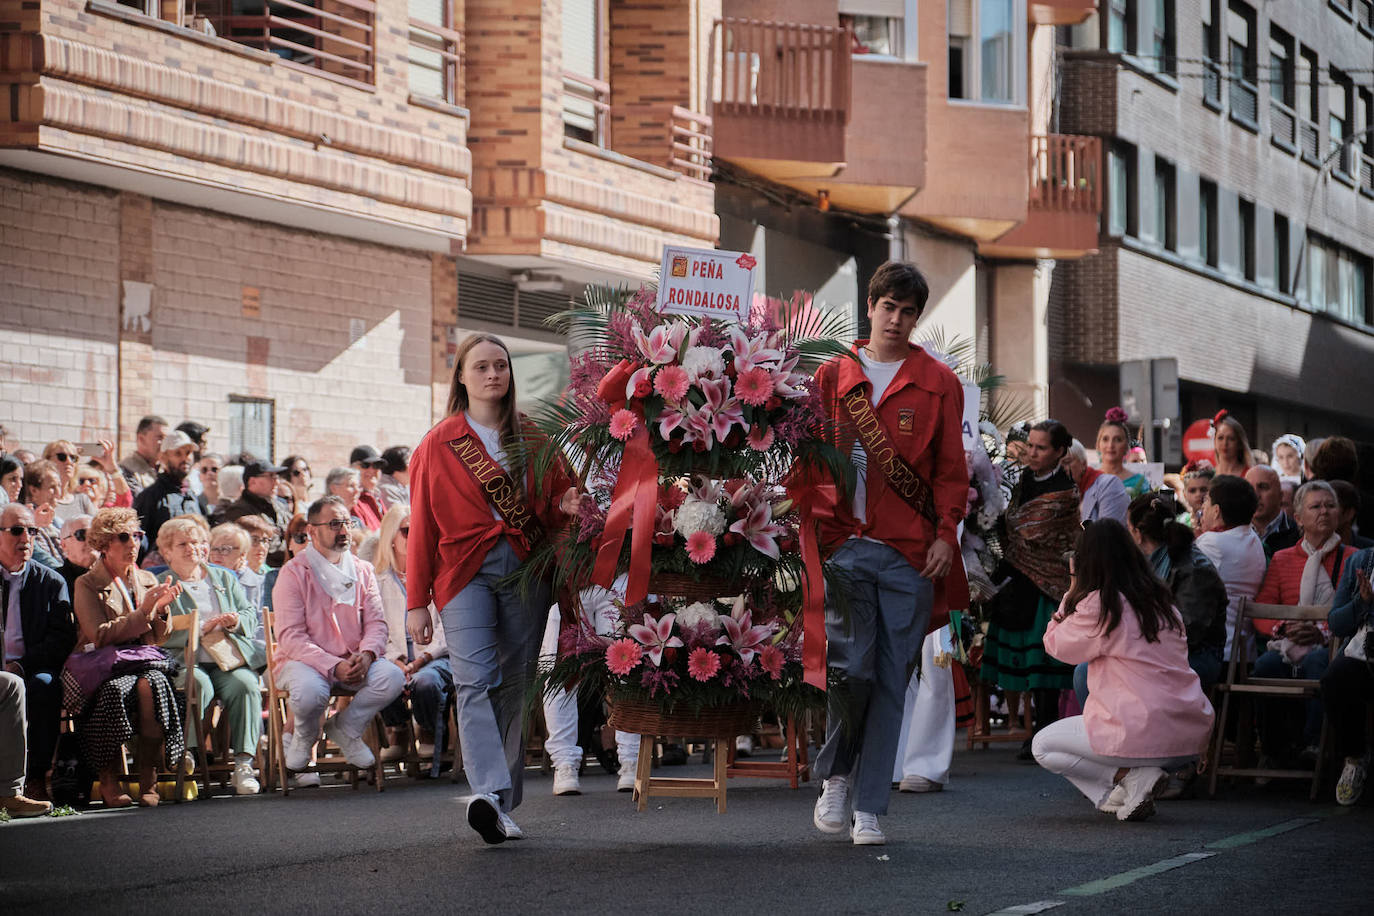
(1283, 579)
(451, 522)
(923, 412)
(368, 511)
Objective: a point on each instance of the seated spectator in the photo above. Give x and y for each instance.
(77, 556)
(252, 572)
(297, 538)
(1348, 685)
(66, 457)
(207, 472)
(226, 662)
(118, 604)
(13, 751)
(394, 487)
(1287, 457)
(42, 490)
(39, 631)
(344, 483)
(259, 498)
(1348, 499)
(11, 478)
(1304, 574)
(1275, 527)
(425, 665)
(170, 492)
(332, 633)
(365, 460)
(1197, 479)
(230, 489)
(110, 488)
(140, 468)
(1334, 459)
(229, 544)
(1146, 712)
(1232, 545)
(1103, 495)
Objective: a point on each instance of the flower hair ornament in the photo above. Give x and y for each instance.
(1200, 468)
(1221, 415)
(1115, 415)
(1118, 416)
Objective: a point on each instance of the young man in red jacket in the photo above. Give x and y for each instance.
(898, 413)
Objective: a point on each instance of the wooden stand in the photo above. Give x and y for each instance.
(796, 769)
(647, 785)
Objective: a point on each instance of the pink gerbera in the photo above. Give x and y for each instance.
(760, 438)
(771, 660)
(703, 664)
(623, 655)
(623, 424)
(754, 386)
(701, 546)
(671, 382)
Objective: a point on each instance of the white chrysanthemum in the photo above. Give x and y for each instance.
(784, 580)
(704, 361)
(697, 515)
(698, 613)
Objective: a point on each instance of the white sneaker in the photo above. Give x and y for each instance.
(744, 746)
(626, 780)
(355, 749)
(306, 780)
(1114, 800)
(920, 784)
(1141, 785)
(297, 751)
(565, 781)
(511, 829)
(865, 831)
(833, 805)
(245, 780)
(484, 816)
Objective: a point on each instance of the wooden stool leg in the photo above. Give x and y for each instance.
(644, 772)
(721, 746)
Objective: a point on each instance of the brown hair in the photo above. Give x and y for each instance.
(458, 394)
(34, 472)
(1242, 441)
(106, 524)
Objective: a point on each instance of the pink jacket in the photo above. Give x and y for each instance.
(1143, 699)
(312, 629)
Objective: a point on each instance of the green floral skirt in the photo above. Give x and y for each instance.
(1017, 660)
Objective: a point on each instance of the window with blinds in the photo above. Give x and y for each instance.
(251, 427)
(433, 57)
(586, 97)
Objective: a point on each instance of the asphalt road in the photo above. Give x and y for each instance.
(1003, 835)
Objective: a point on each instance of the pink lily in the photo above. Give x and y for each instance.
(741, 634)
(655, 635)
(698, 428)
(661, 344)
(751, 352)
(759, 530)
(669, 419)
(786, 379)
(723, 410)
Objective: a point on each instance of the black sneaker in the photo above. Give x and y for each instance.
(485, 817)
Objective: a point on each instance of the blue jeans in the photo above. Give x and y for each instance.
(493, 642)
(876, 647)
(1281, 721)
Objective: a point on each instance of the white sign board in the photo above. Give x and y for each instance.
(973, 399)
(1153, 471)
(706, 283)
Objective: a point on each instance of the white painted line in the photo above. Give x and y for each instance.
(1025, 909)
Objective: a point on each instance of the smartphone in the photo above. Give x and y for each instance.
(89, 449)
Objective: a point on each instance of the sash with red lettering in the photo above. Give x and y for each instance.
(505, 497)
(901, 476)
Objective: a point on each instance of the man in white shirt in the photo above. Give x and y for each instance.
(1231, 544)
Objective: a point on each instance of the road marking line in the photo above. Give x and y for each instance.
(1113, 882)
(1026, 909)
(1254, 836)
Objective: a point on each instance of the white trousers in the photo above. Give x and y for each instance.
(560, 709)
(310, 697)
(925, 746)
(1062, 747)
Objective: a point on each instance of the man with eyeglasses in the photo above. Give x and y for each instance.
(170, 494)
(140, 468)
(332, 633)
(39, 631)
(78, 556)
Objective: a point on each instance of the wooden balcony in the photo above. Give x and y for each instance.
(781, 96)
(1064, 204)
(1061, 12)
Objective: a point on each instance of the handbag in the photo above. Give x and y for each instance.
(86, 671)
(1357, 646)
(222, 650)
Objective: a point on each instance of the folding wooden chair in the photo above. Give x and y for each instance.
(1238, 684)
(277, 698)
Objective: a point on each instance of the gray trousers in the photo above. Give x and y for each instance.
(876, 648)
(14, 734)
(493, 641)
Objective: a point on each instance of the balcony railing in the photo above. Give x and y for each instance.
(434, 70)
(586, 108)
(334, 36)
(1283, 122)
(1065, 173)
(689, 149)
(795, 70)
(1308, 139)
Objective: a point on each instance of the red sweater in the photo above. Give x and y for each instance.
(1283, 580)
(451, 521)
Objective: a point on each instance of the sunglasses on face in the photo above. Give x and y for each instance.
(301, 472)
(335, 525)
(80, 535)
(300, 537)
(66, 456)
(18, 531)
(127, 536)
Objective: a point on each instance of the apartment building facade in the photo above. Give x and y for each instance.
(1239, 229)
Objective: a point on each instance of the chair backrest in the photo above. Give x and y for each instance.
(190, 622)
(1253, 610)
(269, 635)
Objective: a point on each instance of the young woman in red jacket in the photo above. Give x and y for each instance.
(476, 512)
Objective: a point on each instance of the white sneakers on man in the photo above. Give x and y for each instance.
(626, 781)
(354, 748)
(512, 830)
(245, 779)
(310, 779)
(1142, 784)
(484, 815)
(832, 808)
(297, 752)
(864, 831)
(565, 781)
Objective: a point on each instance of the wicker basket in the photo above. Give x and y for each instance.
(673, 585)
(640, 718)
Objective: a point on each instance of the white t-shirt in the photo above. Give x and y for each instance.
(491, 441)
(1238, 556)
(881, 375)
(205, 598)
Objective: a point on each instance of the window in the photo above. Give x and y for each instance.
(1207, 222)
(251, 427)
(987, 50)
(1121, 26)
(1281, 265)
(878, 25)
(433, 63)
(586, 99)
(1307, 80)
(1340, 102)
(1165, 57)
(1365, 129)
(1166, 221)
(1211, 52)
(1282, 121)
(1245, 219)
(1240, 62)
(1337, 280)
(1121, 178)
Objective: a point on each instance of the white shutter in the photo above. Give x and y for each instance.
(431, 11)
(961, 18)
(892, 9)
(579, 37)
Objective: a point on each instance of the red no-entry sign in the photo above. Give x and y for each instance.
(1197, 441)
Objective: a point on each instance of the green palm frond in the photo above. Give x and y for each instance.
(1004, 409)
